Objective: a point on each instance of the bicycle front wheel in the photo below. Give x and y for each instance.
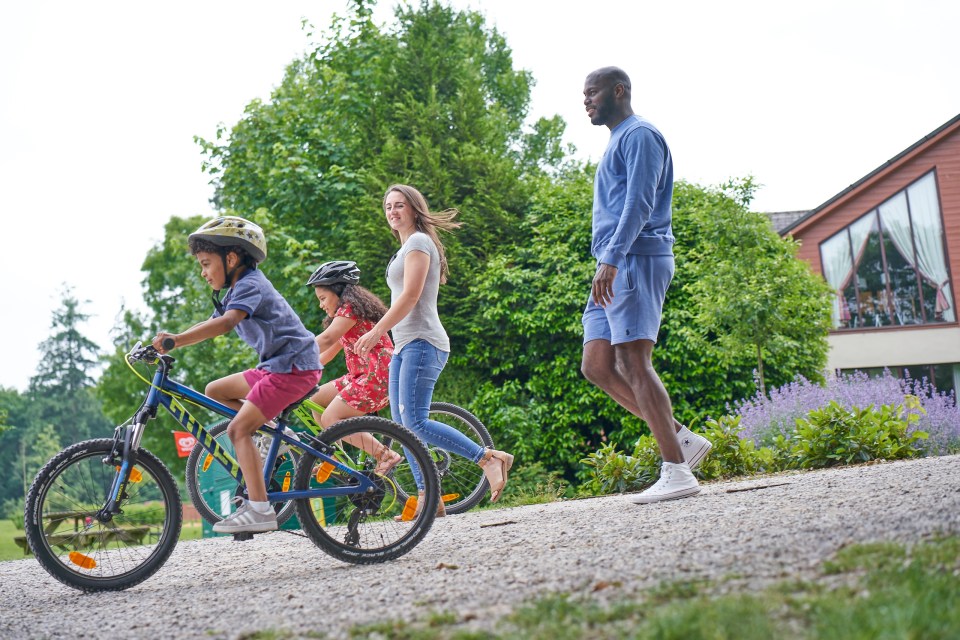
(462, 483)
(371, 526)
(212, 489)
(83, 552)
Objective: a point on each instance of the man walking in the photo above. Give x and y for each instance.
(633, 246)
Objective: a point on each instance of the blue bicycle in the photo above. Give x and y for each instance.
(105, 514)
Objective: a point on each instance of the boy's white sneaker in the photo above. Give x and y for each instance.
(676, 481)
(693, 446)
(246, 519)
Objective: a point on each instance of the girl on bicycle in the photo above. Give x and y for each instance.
(351, 312)
(229, 249)
(414, 275)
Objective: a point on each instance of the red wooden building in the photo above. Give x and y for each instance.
(889, 246)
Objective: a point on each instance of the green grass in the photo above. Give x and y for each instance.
(887, 591)
(9, 550)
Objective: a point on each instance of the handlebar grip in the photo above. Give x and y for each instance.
(168, 343)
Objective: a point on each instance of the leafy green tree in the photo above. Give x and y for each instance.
(61, 391)
(431, 100)
(757, 299)
(67, 356)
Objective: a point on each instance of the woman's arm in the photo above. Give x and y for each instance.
(416, 265)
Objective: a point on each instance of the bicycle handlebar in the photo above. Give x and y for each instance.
(168, 343)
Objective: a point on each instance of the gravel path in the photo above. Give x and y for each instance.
(484, 563)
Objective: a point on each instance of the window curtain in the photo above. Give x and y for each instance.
(928, 233)
(838, 263)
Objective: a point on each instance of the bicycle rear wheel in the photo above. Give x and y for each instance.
(368, 527)
(212, 489)
(77, 548)
(462, 483)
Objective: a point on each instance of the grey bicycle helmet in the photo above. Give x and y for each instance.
(335, 272)
(228, 231)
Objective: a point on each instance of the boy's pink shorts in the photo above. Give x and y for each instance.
(274, 392)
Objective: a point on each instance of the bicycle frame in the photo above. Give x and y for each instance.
(168, 393)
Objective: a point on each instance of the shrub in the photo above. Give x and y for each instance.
(733, 455)
(616, 472)
(835, 435)
(764, 418)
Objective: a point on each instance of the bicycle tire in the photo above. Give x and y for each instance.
(101, 556)
(211, 490)
(462, 483)
(362, 528)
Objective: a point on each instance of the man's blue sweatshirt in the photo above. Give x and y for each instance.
(632, 191)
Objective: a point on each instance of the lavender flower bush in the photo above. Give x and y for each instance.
(763, 418)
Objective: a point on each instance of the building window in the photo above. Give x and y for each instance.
(889, 267)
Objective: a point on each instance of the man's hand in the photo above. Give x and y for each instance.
(603, 284)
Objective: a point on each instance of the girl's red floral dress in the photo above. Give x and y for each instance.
(367, 383)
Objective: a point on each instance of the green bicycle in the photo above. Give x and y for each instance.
(462, 483)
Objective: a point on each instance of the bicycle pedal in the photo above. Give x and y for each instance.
(241, 537)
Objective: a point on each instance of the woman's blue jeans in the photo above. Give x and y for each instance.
(413, 375)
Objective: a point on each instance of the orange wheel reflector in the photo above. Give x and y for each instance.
(82, 561)
(207, 462)
(135, 475)
(450, 496)
(324, 471)
(409, 509)
(286, 482)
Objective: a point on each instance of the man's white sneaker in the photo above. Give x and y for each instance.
(693, 446)
(246, 519)
(676, 481)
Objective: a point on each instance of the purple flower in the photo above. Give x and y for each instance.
(765, 417)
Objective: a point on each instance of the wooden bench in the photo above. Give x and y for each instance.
(78, 540)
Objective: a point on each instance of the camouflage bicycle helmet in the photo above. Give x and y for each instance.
(230, 231)
(335, 272)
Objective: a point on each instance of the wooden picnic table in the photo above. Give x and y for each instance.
(79, 537)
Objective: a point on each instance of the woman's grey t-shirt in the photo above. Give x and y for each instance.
(423, 321)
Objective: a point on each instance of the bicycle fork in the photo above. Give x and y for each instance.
(123, 456)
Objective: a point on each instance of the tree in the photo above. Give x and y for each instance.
(765, 301)
(67, 357)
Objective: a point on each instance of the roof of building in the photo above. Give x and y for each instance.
(882, 169)
(783, 219)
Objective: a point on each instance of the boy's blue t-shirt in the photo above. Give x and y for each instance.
(271, 327)
(633, 189)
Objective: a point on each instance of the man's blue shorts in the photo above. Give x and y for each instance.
(638, 293)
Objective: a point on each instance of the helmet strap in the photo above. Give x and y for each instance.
(228, 275)
(216, 301)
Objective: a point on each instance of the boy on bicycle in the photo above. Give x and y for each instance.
(228, 249)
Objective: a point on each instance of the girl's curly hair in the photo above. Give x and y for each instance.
(365, 304)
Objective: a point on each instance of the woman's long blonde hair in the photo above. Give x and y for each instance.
(427, 221)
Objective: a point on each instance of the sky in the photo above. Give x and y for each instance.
(100, 103)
